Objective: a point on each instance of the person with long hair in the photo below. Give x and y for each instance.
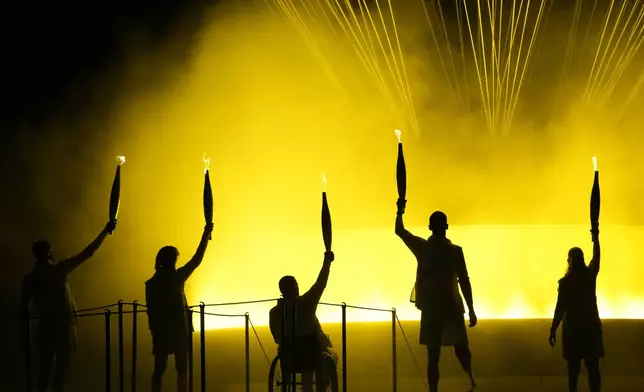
(582, 335)
(169, 319)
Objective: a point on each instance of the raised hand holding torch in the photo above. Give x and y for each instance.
(595, 203)
(207, 193)
(327, 233)
(401, 175)
(115, 195)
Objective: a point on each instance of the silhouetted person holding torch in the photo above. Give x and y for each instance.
(47, 288)
(582, 336)
(169, 319)
(440, 270)
(311, 339)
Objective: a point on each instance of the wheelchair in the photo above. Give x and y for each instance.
(308, 360)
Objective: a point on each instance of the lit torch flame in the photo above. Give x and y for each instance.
(595, 163)
(206, 161)
(323, 182)
(398, 132)
(120, 159)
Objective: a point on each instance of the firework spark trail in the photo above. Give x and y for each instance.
(604, 63)
(477, 67)
(404, 69)
(438, 49)
(485, 67)
(382, 48)
(601, 40)
(459, 19)
(627, 55)
(570, 49)
(449, 46)
(398, 73)
(516, 66)
(525, 63)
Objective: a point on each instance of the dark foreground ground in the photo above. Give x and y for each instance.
(508, 356)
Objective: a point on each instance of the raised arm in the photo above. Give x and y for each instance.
(595, 261)
(196, 260)
(315, 292)
(70, 264)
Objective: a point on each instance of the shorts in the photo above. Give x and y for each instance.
(437, 331)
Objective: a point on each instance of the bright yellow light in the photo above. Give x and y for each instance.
(323, 182)
(120, 159)
(513, 269)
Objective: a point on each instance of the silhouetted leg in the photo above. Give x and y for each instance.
(594, 375)
(45, 365)
(181, 364)
(160, 364)
(61, 367)
(433, 355)
(574, 366)
(464, 356)
(307, 382)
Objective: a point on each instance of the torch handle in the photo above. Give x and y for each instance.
(401, 173)
(115, 195)
(207, 201)
(595, 202)
(327, 233)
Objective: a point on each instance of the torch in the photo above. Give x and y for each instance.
(207, 193)
(595, 201)
(115, 195)
(326, 218)
(401, 170)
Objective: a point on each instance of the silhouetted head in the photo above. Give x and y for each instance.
(576, 261)
(41, 250)
(438, 223)
(167, 258)
(289, 287)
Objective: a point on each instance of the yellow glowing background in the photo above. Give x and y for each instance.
(258, 101)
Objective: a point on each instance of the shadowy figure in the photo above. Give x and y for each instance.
(582, 335)
(311, 340)
(46, 287)
(440, 270)
(169, 319)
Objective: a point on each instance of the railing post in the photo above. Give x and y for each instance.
(202, 345)
(121, 349)
(108, 354)
(294, 352)
(344, 347)
(393, 349)
(247, 342)
(26, 325)
(135, 341)
(191, 364)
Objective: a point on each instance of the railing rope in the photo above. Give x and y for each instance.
(108, 353)
(121, 348)
(135, 341)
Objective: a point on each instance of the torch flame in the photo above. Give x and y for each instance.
(595, 163)
(206, 161)
(120, 159)
(323, 182)
(398, 132)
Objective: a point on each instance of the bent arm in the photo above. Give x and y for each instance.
(75, 261)
(464, 281)
(196, 260)
(595, 261)
(25, 296)
(315, 292)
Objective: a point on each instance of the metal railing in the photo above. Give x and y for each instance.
(105, 311)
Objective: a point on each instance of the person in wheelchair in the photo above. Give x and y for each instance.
(311, 343)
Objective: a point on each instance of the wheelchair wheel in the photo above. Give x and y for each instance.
(275, 376)
(332, 373)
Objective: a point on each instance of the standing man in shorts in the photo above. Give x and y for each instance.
(440, 271)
